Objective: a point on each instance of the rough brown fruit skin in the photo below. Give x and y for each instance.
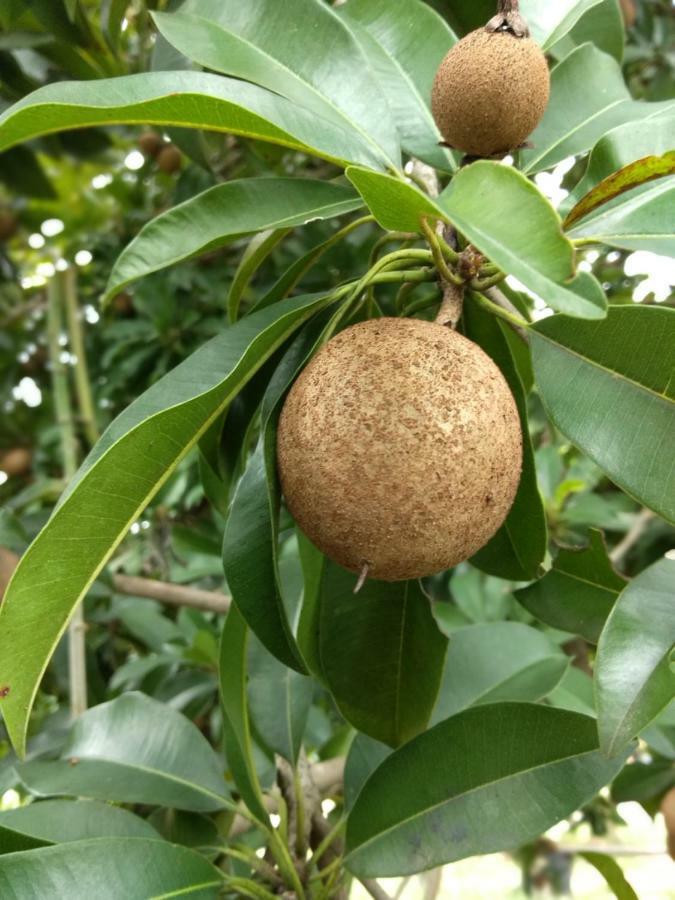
(399, 445)
(490, 92)
(169, 159)
(17, 461)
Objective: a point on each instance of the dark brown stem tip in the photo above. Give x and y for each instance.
(508, 18)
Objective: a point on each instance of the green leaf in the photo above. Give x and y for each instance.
(634, 680)
(258, 251)
(405, 41)
(57, 821)
(397, 205)
(124, 868)
(261, 42)
(574, 692)
(313, 563)
(364, 756)
(127, 467)
(579, 591)
(222, 214)
(549, 22)
(238, 745)
(279, 700)
(627, 144)
(612, 872)
(133, 750)
(250, 543)
(608, 387)
(525, 239)
(22, 173)
(577, 117)
(497, 661)
(494, 777)
(633, 175)
(517, 550)
(112, 14)
(601, 25)
(186, 99)
(381, 652)
(643, 781)
(640, 220)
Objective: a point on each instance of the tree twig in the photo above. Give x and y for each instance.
(171, 594)
(374, 889)
(632, 536)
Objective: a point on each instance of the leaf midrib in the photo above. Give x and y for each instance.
(474, 790)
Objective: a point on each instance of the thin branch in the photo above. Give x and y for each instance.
(632, 536)
(171, 594)
(374, 889)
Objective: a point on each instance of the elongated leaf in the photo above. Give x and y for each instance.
(577, 118)
(186, 99)
(259, 249)
(279, 700)
(57, 821)
(525, 239)
(518, 549)
(574, 692)
(608, 387)
(612, 872)
(405, 41)
(634, 680)
(125, 868)
(112, 14)
(382, 654)
(620, 148)
(639, 220)
(637, 173)
(579, 591)
(396, 204)
(133, 750)
(260, 41)
(365, 755)
(238, 746)
(549, 22)
(494, 778)
(129, 464)
(223, 213)
(250, 542)
(497, 661)
(601, 25)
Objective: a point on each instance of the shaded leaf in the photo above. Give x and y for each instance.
(497, 661)
(396, 204)
(381, 653)
(602, 25)
(365, 755)
(493, 777)
(634, 680)
(258, 250)
(608, 387)
(579, 591)
(612, 872)
(78, 870)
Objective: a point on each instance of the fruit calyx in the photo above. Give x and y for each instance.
(509, 19)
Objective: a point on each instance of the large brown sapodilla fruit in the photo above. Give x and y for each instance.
(399, 446)
(490, 92)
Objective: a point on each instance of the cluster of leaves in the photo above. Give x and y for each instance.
(456, 747)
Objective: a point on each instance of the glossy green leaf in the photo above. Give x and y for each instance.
(260, 41)
(639, 220)
(627, 144)
(497, 661)
(549, 22)
(257, 252)
(279, 699)
(517, 550)
(634, 680)
(405, 41)
(365, 755)
(124, 868)
(494, 777)
(608, 387)
(396, 204)
(575, 692)
(313, 563)
(633, 175)
(612, 872)
(133, 750)
(127, 467)
(220, 215)
(236, 725)
(381, 653)
(579, 591)
(57, 821)
(576, 117)
(643, 781)
(601, 25)
(525, 239)
(250, 542)
(186, 99)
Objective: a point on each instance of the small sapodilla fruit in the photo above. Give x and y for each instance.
(491, 90)
(399, 447)
(169, 159)
(150, 143)
(16, 462)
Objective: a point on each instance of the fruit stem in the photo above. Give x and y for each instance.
(516, 321)
(482, 284)
(421, 304)
(508, 18)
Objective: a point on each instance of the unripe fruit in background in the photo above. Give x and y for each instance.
(17, 461)
(169, 159)
(491, 90)
(150, 143)
(399, 447)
